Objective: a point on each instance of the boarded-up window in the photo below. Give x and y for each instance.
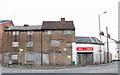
(15, 33)
(67, 32)
(68, 44)
(14, 57)
(30, 33)
(48, 32)
(29, 44)
(55, 43)
(34, 57)
(15, 44)
(30, 57)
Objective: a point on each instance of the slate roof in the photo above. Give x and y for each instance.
(88, 40)
(4, 21)
(37, 27)
(58, 25)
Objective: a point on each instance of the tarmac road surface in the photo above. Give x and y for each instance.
(102, 68)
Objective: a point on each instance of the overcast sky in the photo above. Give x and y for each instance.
(84, 13)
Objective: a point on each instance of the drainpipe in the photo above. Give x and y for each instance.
(41, 50)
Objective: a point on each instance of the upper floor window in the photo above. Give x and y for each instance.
(55, 43)
(15, 32)
(29, 44)
(67, 32)
(29, 32)
(48, 32)
(15, 44)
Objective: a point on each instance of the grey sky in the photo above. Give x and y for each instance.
(84, 13)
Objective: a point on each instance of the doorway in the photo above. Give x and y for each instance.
(85, 58)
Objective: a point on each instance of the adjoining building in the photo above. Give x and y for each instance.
(87, 51)
(20, 43)
(3, 25)
(57, 40)
(46, 44)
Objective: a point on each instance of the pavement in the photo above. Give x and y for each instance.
(101, 68)
(39, 67)
(0, 69)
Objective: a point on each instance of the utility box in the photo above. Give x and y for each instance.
(73, 62)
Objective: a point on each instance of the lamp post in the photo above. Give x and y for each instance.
(107, 45)
(100, 31)
(20, 50)
(107, 36)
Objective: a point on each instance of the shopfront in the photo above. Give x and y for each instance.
(87, 51)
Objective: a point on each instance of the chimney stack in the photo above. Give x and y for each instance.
(26, 25)
(62, 20)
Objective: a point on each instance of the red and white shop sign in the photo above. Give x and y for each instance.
(84, 48)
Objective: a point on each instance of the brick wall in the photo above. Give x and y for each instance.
(2, 31)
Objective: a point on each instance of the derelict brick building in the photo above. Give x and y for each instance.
(48, 44)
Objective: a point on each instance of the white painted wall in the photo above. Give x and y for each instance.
(112, 47)
(96, 53)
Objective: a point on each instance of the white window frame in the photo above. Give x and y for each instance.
(29, 32)
(67, 32)
(48, 32)
(15, 33)
(29, 44)
(15, 44)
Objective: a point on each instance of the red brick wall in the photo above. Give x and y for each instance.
(2, 31)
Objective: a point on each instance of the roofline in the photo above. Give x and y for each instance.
(38, 30)
(90, 43)
(85, 36)
(22, 30)
(57, 21)
(58, 29)
(6, 22)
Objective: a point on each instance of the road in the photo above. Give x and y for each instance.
(102, 68)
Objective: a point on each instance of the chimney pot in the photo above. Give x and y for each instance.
(62, 19)
(26, 25)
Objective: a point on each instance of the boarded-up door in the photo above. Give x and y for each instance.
(89, 59)
(6, 58)
(85, 59)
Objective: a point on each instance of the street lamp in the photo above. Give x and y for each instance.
(20, 50)
(100, 31)
(65, 49)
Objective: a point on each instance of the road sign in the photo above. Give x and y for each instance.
(100, 50)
